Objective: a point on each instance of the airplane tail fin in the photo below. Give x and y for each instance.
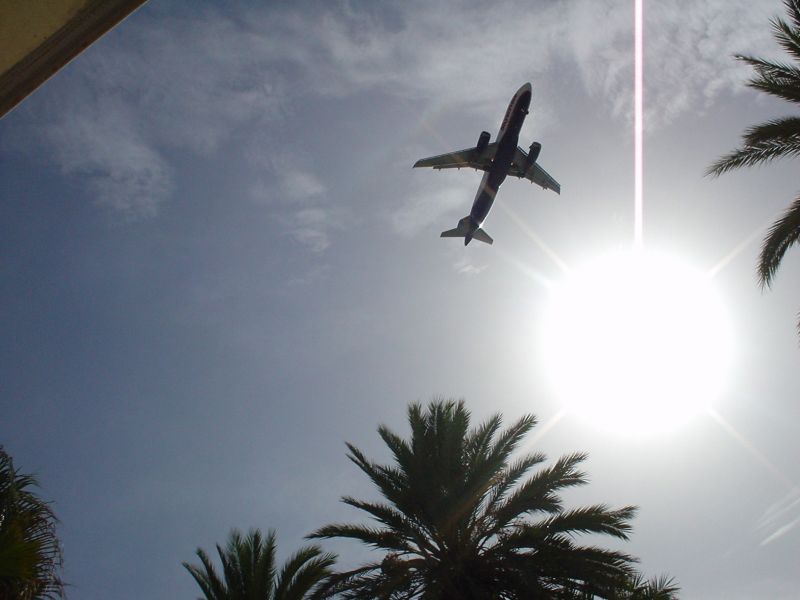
(468, 231)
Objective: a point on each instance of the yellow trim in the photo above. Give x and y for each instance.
(38, 37)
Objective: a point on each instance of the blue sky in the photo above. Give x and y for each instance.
(218, 265)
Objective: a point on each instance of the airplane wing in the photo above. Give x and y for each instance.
(536, 174)
(469, 157)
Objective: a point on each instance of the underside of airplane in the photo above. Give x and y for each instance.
(497, 159)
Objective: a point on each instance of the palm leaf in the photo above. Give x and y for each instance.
(592, 519)
(249, 571)
(773, 139)
(373, 536)
(31, 555)
(302, 572)
(396, 521)
(781, 235)
(787, 36)
(783, 130)
(206, 577)
(539, 492)
(749, 156)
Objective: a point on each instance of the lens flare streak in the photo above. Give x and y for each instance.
(638, 103)
(535, 238)
(754, 452)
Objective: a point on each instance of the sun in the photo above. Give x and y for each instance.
(636, 343)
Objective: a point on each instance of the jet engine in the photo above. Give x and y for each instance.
(483, 141)
(533, 154)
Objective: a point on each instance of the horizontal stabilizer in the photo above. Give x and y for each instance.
(480, 235)
(453, 233)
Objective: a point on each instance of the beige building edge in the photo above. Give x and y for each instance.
(38, 37)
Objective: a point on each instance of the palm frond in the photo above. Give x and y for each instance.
(398, 446)
(386, 580)
(793, 8)
(378, 538)
(206, 577)
(539, 492)
(662, 587)
(773, 139)
(389, 481)
(508, 441)
(31, 556)
(774, 86)
(302, 572)
(787, 36)
(749, 156)
(396, 521)
(592, 519)
(781, 235)
(509, 477)
(249, 570)
(478, 442)
(782, 130)
(778, 70)
(228, 559)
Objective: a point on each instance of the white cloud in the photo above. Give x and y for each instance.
(160, 83)
(308, 225)
(464, 266)
(477, 58)
(690, 48)
(780, 518)
(301, 185)
(310, 228)
(428, 206)
(688, 52)
(126, 173)
(291, 185)
(288, 182)
(450, 53)
(123, 106)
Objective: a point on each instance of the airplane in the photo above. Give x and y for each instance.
(498, 159)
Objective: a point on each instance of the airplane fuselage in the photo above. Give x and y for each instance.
(507, 140)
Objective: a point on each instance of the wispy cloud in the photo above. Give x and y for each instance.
(140, 94)
(160, 84)
(310, 227)
(124, 171)
(477, 58)
(426, 206)
(689, 60)
(780, 518)
(464, 265)
(298, 200)
(287, 181)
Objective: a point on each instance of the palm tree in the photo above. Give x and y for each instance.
(773, 139)
(456, 520)
(249, 571)
(30, 553)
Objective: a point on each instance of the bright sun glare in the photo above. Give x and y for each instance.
(636, 343)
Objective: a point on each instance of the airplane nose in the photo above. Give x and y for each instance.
(525, 101)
